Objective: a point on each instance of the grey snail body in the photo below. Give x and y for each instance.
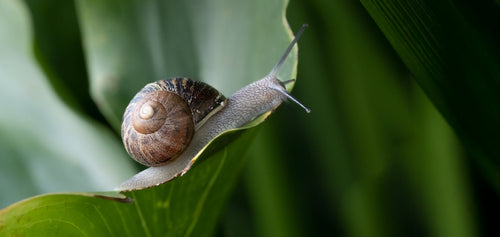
(240, 108)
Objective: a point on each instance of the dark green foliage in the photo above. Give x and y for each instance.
(402, 139)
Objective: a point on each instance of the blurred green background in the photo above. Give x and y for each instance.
(374, 158)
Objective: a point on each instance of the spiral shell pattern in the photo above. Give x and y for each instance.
(160, 120)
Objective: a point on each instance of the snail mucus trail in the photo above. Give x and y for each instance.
(218, 116)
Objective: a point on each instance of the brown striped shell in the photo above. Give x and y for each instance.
(161, 119)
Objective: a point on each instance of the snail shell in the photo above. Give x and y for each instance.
(161, 119)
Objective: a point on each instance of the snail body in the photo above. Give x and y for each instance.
(218, 116)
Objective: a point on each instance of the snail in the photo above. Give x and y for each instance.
(169, 121)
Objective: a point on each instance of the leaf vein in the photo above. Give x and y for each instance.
(143, 221)
(203, 198)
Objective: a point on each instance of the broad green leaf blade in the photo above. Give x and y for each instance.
(186, 206)
(457, 66)
(45, 146)
(224, 43)
(363, 157)
(58, 48)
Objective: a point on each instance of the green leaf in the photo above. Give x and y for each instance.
(45, 146)
(456, 64)
(131, 43)
(367, 154)
(187, 206)
(58, 48)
